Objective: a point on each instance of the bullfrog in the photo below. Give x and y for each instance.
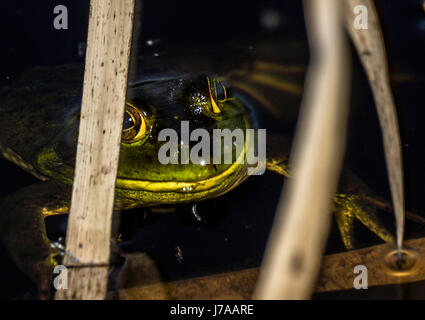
(39, 120)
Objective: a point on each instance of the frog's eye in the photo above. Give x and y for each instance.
(135, 127)
(218, 94)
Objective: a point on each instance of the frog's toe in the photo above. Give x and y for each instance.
(345, 221)
(350, 207)
(278, 166)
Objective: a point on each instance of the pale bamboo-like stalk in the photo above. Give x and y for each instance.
(105, 82)
(300, 230)
(371, 49)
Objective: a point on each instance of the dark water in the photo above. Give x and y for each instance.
(237, 224)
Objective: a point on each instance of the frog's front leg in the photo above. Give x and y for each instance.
(23, 232)
(354, 200)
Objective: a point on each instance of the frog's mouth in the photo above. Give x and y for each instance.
(231, 173)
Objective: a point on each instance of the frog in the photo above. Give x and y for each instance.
(39, 121)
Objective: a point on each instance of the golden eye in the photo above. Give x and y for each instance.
(218, 94)
(135, 127)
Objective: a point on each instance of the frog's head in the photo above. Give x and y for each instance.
(153, 105)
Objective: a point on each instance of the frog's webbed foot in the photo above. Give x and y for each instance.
(347, 208)
(23, 232)
(354, 203)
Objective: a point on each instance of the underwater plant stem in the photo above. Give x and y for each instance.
(294, 251)
(105, 82)
(371, 49)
